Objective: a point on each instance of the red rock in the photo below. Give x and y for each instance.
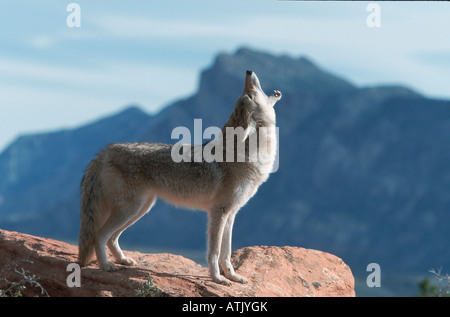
(271, 271)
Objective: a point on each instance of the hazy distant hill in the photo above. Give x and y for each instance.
(364, 171)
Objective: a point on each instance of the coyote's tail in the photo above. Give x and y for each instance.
(90, 200)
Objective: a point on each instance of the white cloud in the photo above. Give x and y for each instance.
(41, 42)
(108, 78)
(138, 27)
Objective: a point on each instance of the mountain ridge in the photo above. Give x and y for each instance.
(362, 169)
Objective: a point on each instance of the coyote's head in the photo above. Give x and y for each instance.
(252, 89)
(254, 109)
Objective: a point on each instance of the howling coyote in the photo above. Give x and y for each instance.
(121, 184)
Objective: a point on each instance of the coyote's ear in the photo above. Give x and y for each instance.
(244, 116)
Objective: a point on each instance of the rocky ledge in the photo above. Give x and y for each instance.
(44, 267)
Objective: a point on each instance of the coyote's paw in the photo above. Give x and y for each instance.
(221, 280)
(128, 261)
(108, 267)
(238, 278)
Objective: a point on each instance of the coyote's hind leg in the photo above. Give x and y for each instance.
(113, 242)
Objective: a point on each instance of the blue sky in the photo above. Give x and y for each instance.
(151, 52)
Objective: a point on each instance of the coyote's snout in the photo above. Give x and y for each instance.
(121, 184)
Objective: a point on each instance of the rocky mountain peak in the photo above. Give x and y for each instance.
(282, 71)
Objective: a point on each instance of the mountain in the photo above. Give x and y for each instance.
(363, 171)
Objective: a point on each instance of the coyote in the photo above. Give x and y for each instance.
(123, 181)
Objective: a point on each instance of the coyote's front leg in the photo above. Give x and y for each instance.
(225, 252)
(217, 219)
